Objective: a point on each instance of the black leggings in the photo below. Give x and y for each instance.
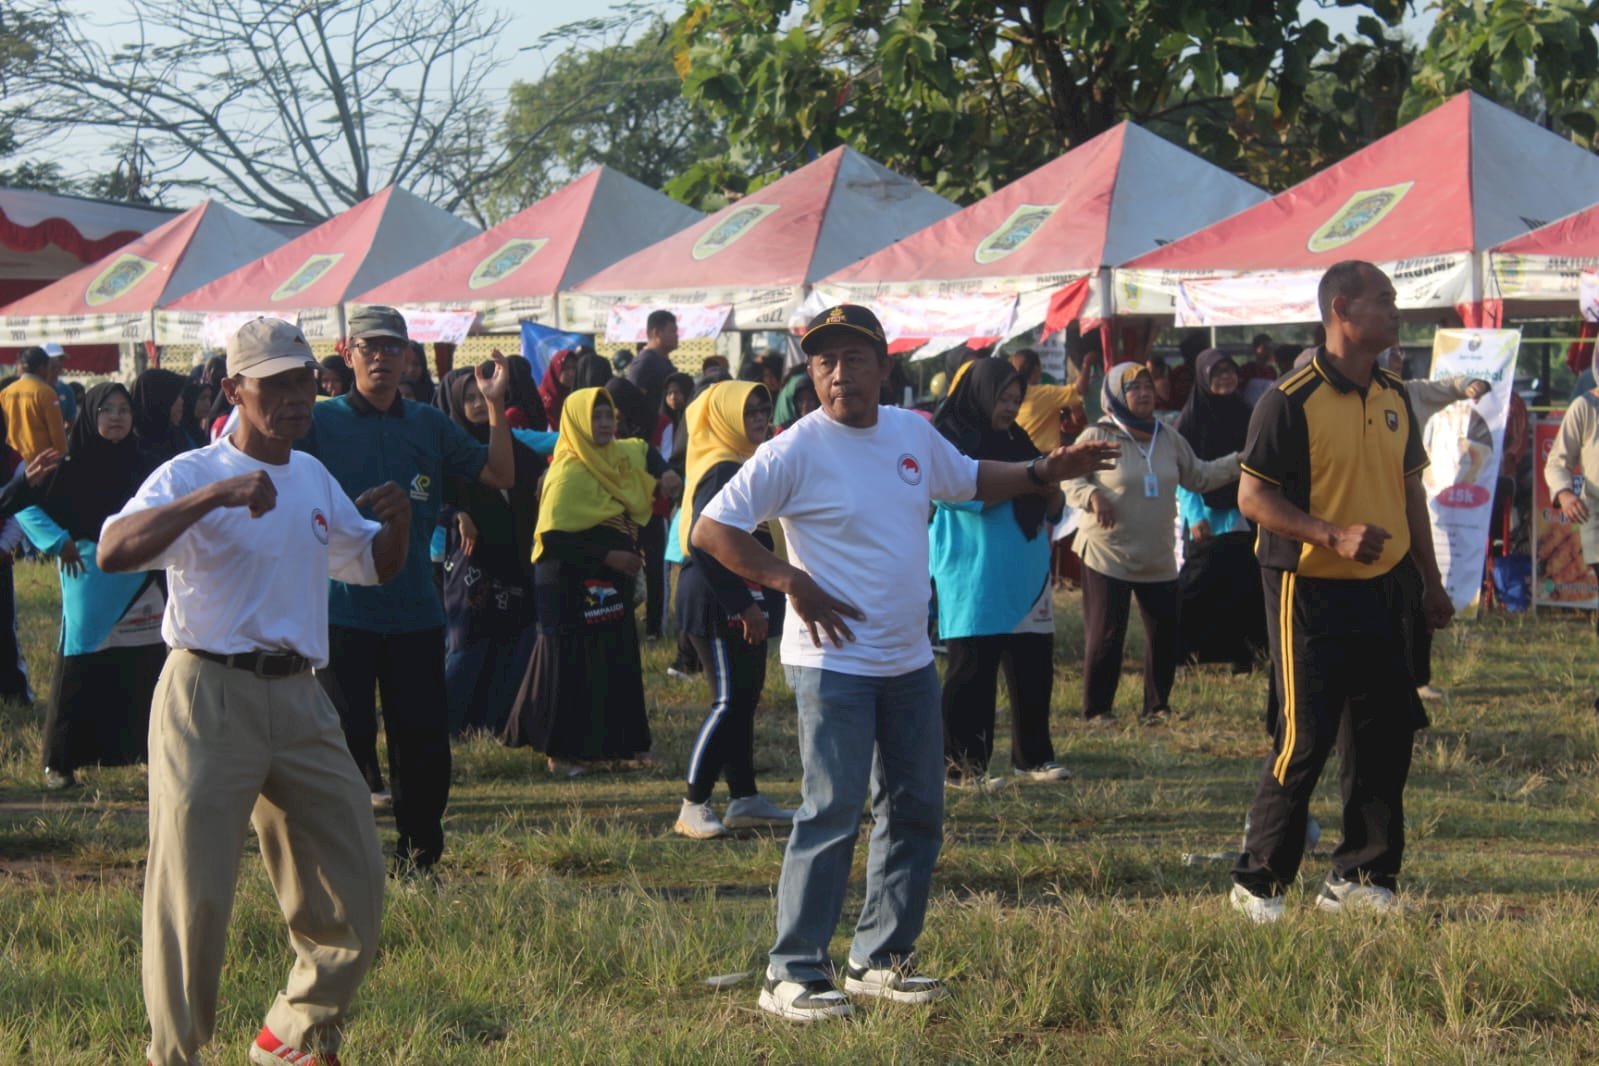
(725, 743)
(971, 691)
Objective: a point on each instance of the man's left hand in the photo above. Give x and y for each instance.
(1437, 608)
(388, 503)
(1477, 388)
(1077, 460)
(494, 378)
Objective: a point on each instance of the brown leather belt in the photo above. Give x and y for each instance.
(260, 663)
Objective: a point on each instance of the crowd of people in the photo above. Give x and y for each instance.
(470, 554)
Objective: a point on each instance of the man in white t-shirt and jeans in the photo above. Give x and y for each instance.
(249, 532)
(853, 484)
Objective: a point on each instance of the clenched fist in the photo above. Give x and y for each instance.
(388, 503)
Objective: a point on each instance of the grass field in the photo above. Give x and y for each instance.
(573, 926)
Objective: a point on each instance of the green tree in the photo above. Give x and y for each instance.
(618, 104)
(1539, 57)
(966, 95)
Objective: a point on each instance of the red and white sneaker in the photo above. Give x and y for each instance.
(268, 1050)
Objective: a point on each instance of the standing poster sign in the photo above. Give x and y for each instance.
(1559, 576)
(1464, 442)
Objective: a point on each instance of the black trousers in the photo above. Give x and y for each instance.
(407, 669)
(652, 543)
(971, 684)
(725, 743)
(1342, 674)
(1106, 602)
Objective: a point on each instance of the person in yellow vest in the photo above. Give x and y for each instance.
(1042, 404)
(32, 410)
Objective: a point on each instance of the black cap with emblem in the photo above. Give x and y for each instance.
(845, 318)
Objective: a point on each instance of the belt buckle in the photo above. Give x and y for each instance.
(258, 667)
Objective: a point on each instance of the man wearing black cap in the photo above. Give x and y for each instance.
(240, 733)
(392, 638)
(853, 484)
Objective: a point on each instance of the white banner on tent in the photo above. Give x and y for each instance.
(437, 327)
(1248, 299)
(1588, 293)
(1464, 442)
(115, 328)
(626, 322)
(1266, 297)
(964, 315)
(218, 326)
(1536, 277)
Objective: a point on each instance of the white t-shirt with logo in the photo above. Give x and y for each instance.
(854, 504)
(239, 584)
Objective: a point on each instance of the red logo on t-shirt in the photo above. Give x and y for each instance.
(319, 524)
(910, 471)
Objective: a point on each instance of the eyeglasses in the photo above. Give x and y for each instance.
(381, 346)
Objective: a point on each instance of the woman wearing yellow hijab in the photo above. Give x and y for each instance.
(582, 698)
(724, 617)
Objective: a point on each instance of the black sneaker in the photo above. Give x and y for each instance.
(897, 984)
(804, 1001)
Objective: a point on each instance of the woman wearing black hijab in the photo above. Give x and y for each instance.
(157, 412)
(524, 407)
(990, 564)
(488, 573)
(1223, 618)
(110, 651)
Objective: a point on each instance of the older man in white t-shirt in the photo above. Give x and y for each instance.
(249, 532)
(853, 484)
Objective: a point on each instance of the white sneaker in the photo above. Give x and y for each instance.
(1262, 910)
(974, 782)
(806, 1001)
(895, 984)
(1341, 895)
(382, 801)
(698, 822)
(1049, 771)
(1429, 693)
(749, 812)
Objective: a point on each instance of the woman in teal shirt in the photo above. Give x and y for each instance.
(990, 564)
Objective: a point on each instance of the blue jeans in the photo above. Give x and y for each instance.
(853, 729)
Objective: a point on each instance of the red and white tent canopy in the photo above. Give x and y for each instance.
(514, 271)
(310, 278)
(757, 257)
(45, 236)
(114, 299)
(1551, 268)
(1422, 203)
(1040, 244)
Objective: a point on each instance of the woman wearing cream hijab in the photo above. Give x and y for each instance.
(724, 617)
(582, 698)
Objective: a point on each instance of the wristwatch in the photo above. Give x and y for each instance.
(1032, 471)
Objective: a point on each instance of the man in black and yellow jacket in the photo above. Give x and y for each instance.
(1331, 475)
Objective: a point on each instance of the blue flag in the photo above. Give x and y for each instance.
(540, 343)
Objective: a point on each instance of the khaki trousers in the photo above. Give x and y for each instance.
(229, 749)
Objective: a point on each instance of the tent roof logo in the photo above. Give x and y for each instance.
(1360, 213)
(505, 260)
(310, 272)
(738, 222)
(126, 271)
(1014, 232)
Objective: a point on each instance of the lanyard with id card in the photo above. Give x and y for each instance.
(1151, 482)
